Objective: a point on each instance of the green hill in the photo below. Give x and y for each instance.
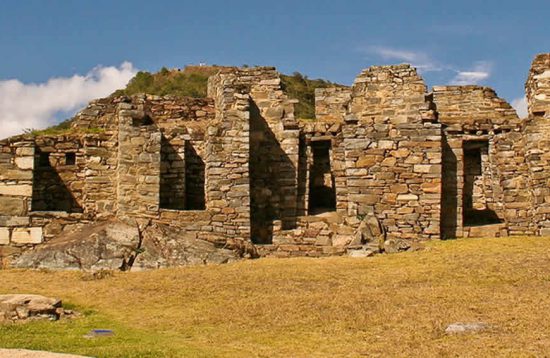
(302, 88)
(192, 81)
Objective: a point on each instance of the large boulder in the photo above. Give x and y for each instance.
(165, 246)
(113, 245)
(97, 246)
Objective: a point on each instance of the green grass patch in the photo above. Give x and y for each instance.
(67, 336)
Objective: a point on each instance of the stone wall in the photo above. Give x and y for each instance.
(473, 108)
(59, 170)
(537, 87)
(98, 114)
(512, 179)
(478, 122)
(101, 177)
(331, 103)
(537, 140)
(393, 153)
(16, 178)
(271, 158)
(139, 153)
(227, 153)
(384, 164)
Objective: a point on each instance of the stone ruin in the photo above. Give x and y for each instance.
(385, 165)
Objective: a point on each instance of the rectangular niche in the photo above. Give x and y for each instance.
(51, 190)
(182, 181)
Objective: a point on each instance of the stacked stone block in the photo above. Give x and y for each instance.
(393, 153)
(227, 172)
(470, 109)
(537, 87)
(475, 114)
(139, 145)
(537, 140)
(331, 103)
(16, 179)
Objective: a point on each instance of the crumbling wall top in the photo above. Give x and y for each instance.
(473, 108)
(537, 87)
(331, 104)
(390, 93)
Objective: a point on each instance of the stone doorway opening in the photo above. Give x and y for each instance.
(476, 199)
(322, 191)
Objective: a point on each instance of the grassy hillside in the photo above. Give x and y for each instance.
(302, 88)
(190, 82)
(193, 80)
(388, 305)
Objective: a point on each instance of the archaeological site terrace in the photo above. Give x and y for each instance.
(154, 181)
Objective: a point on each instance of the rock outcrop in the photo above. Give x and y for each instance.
(113, 245)
(20, 307)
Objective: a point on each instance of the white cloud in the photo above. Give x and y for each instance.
(421, 60)
(480, 72)
(35, 105)
(520, 105)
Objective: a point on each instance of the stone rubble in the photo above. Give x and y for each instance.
(21, 307)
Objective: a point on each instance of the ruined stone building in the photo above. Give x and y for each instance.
(385, 164)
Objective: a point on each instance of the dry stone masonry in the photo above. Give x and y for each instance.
(384, 165)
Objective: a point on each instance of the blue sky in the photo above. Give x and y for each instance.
(485, 42)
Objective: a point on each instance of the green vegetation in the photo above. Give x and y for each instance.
(302, 88)
(191, 82)
(388, 305)
(62, 128)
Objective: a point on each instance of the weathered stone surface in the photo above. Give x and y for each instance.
(102, 246)
(4, 236)
(24, 162)
(392, 246)
(15, 190)
(12, 206)
(25, 353)
(27, 235)
(112, 245)
(21, 236)
(360, 253)
(369, 233)
(466, 327)
(15, 307)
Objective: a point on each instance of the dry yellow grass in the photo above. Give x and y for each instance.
(389, 305)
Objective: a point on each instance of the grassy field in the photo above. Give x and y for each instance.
(388, 305)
